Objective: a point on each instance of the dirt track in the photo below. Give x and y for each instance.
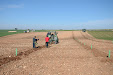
(69, 57)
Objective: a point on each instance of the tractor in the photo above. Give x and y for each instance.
(53, 37)
(83, 30)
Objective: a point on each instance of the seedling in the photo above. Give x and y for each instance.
(91, 46)
(16, 51)
(109, 53)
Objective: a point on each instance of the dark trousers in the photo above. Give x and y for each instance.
(34, 45)
(47, 44)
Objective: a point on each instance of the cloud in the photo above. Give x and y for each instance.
(16, 6)
(98, 24)
(11, 6)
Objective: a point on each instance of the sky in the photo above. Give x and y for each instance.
(56, 14)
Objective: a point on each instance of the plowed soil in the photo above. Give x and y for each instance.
(71, 56)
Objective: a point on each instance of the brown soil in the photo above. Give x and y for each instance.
(69, 57)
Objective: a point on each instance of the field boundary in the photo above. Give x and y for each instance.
(95, 51)
(99, 40)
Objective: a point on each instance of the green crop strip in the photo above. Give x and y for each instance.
(106, 35)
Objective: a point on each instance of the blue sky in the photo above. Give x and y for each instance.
(56, 14)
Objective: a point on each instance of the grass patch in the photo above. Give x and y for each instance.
(52, 30)
(106, 35)
(5, 32)
(42, 30)
(66, 30)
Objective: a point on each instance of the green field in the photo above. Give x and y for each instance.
(5, 32)
(53, 30)
(106, 35)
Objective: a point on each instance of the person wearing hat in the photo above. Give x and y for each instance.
(35, 42)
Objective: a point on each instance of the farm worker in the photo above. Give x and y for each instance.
(49, 36)
(52, 37)
(34, 42)
(56, 39)
(47, 40)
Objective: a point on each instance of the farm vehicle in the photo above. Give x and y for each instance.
(53, 37)
(83, 30)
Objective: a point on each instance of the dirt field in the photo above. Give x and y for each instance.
(69, 57)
